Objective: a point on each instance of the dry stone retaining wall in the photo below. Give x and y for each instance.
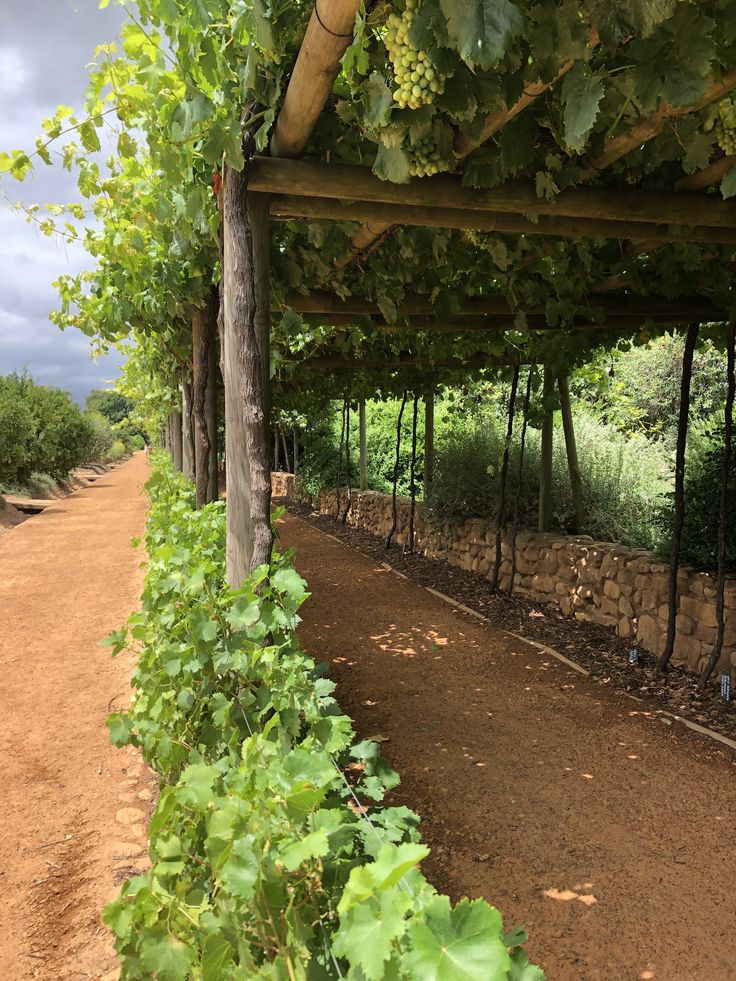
(621, 588)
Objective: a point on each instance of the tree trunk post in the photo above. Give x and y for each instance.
(246, 246)
(187, 419)
(176, 440)
(287, 461)
(679, 516)
(276, 449)
(519, 480)
(295, 439)
(202, 330)
(715, 656)
(501, 514)
(392, 529)
(362, 446)
(339, 465)
(210, 407)
(576, 483)
(545, 464)
(428, 442)
(412, 474)
(349, 502)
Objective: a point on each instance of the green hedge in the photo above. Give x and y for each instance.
(272, 856)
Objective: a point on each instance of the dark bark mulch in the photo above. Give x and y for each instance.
(594, 647)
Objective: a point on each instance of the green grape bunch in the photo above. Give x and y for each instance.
(425, 158)
(724, 126)
(418, 81)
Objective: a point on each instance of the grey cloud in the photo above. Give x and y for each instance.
(44, 48)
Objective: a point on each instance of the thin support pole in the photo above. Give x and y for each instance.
(347, 462)
(413, 482)
(287, 461)
(545, 463)
(679, 517)
(362, 446)
(715, 656)
(187, 420)
(501, 514)
(387, 543)
(295, 440)
(576, 483)
(519, 479)
(176, 440)
(276, 449)
(210, 408)
(428, 442)
(202, 331)
(339, 464)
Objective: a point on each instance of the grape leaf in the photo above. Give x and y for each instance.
(460, 944)
(367, 932)
(581, 96)
(392, 164)
(378, 100)
(313, 845)
(168, 957)
(728, 184)
(482, 30)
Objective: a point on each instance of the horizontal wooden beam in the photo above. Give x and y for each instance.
(335, 362)
(683, 309)
(425, 216)
(303, 178)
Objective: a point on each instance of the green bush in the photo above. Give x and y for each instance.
(704, 460)
(41, 430)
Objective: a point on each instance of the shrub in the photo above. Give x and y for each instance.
(55, 435)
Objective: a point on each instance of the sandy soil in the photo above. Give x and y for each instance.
(604, 828)
(74, 808)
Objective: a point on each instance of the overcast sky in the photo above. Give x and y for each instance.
(44, 48)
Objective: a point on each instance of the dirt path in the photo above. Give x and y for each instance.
(605, 830)
(73, 806)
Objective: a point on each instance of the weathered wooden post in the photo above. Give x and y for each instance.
(176, 439)
(210, 407)
(428, 441)
(363, 460)
(576, 483)
(187, 424)
(545, 463)
(203, 331)
(246, 329)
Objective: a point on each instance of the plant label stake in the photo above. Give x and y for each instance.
(726, 686)
(633, 655)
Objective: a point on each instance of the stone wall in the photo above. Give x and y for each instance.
(621, 588)
(282, 484)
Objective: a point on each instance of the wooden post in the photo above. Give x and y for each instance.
(210, 407)
(349, 502)
(503, 482)
(202, 338)
(428, 441)
(246, 245)
(412, 474)
(339, 464)
(287, 462)
(545, 463)
(723, 509)
(519, 482)
(362, 443)
(176, 440)
(276, 449)
(187, 422)
(679, 516)
(295, 438)
(392, 529)
(576, 483)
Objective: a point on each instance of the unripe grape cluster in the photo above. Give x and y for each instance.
(725, 126)
(425, 158)
(417, 80)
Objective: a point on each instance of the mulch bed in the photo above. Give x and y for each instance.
(592, 646)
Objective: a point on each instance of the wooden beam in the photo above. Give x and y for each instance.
(301, 178)
(328, 35)
(712, 174)
(288, 206)
(416, 306)
(644, 130)
(336, 362)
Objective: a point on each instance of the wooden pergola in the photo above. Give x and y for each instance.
(281, 186)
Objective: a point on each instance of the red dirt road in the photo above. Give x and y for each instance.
(603, 828)
(73, 807)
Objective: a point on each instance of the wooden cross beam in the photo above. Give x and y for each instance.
(294, 179)
(339, 311)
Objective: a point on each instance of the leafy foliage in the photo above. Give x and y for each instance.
(271, 855)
